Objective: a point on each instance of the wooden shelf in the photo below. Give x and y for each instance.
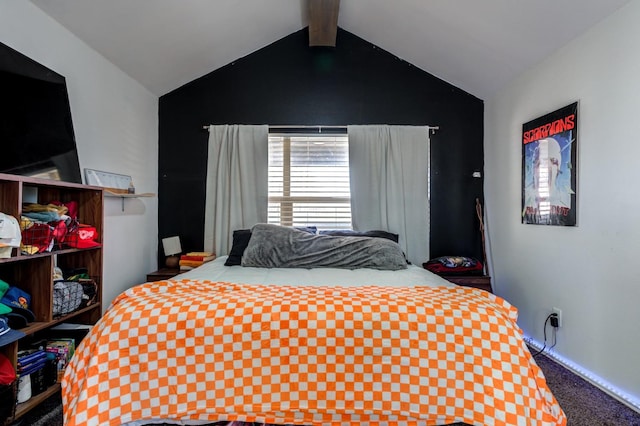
(144, 194)
(124, 196)
(34, 273)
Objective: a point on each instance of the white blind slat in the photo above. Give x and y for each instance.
(309, 181)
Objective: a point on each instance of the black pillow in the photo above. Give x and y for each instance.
(241, 239)
(352, 233)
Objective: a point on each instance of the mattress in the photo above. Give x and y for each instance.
(317, 347)
(412, 276)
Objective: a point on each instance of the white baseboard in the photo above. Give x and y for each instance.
(595, 380)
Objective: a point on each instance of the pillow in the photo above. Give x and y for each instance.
(241, 239)
(309, 229)
(352, 233)
(454, 265)
(273, 246)
(370, 234)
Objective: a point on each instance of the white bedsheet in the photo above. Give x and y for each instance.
(412, 276)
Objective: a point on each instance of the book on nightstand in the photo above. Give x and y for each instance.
(194, 259)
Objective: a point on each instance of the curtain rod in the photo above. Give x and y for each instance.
(320, 127)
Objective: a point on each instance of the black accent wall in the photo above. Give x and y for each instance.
(290, 83)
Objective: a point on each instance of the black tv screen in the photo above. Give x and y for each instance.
(36, 128)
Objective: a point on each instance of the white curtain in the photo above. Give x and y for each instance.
(389, 168)
(237, 175)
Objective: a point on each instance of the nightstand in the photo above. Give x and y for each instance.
(163, 274)
(483, 282)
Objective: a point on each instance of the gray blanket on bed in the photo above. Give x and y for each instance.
(273, 246)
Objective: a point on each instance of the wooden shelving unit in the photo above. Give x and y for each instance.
(34, 273)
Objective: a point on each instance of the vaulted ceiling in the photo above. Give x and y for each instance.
(476, 45)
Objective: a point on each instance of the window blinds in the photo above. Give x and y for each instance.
(309, 181)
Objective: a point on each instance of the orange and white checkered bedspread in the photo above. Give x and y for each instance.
(206, 351)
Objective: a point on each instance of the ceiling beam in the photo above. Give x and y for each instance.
(323, 22)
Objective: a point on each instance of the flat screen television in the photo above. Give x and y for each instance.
(36, 128)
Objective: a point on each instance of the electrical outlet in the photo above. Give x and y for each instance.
(558, 312)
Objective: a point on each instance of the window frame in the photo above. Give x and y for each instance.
(286, 202)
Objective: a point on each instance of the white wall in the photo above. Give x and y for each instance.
(116, 128)
(589, 271)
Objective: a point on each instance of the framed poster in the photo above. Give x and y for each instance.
(549, 146)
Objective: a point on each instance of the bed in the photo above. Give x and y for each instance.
(306, 345)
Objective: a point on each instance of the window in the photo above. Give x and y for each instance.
(309, 181)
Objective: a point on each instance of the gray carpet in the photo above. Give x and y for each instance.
(583, 403)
